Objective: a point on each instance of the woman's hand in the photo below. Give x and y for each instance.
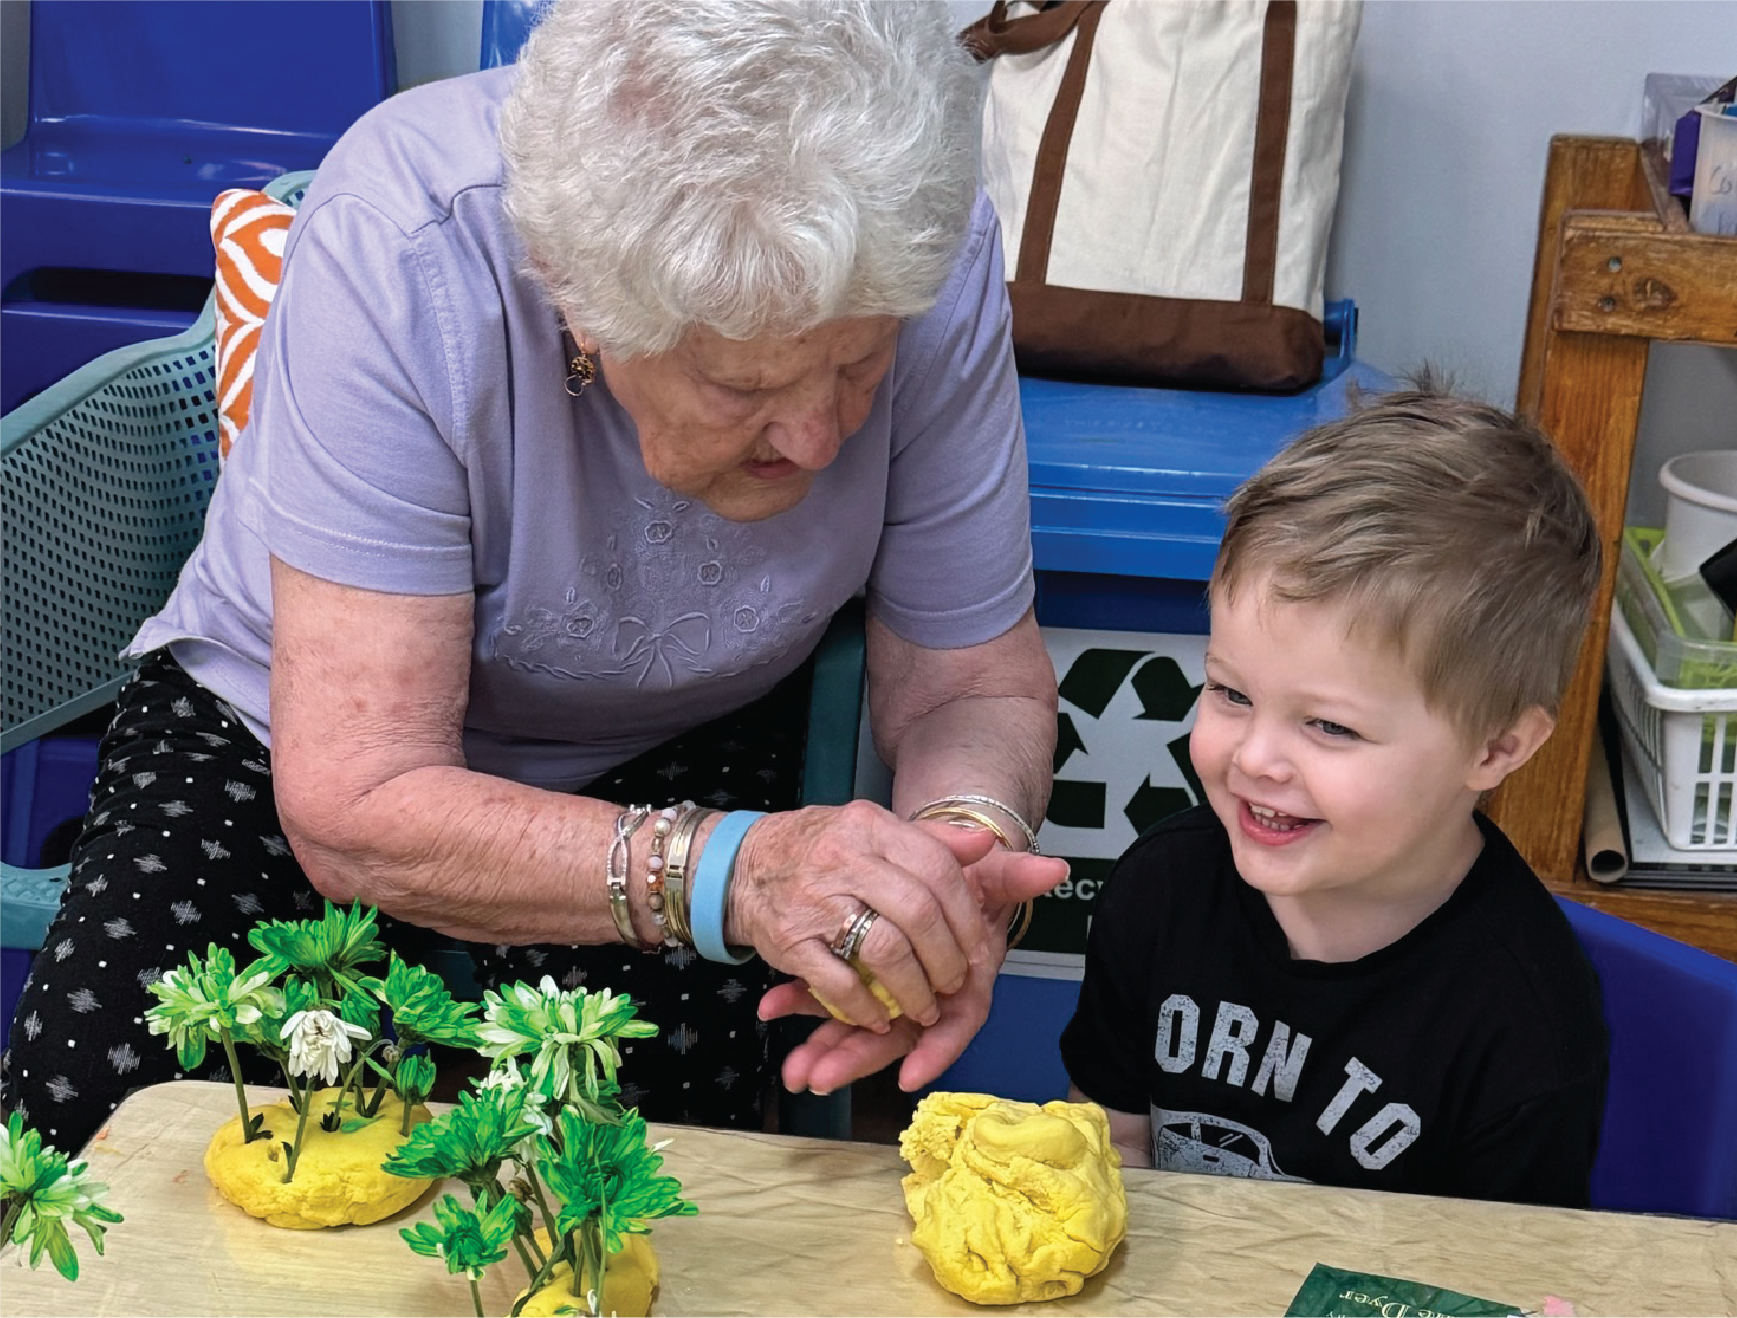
(839, 1052)
(803, 876)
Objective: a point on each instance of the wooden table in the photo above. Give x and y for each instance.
(802, 1226)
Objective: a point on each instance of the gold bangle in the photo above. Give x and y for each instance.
(964, 814)
(615, 873)
(1019, 923)
(675, 874)
(975, 798)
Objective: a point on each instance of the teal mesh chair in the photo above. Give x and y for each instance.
(106, 477)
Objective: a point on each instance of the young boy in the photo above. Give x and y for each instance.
(1336, 970)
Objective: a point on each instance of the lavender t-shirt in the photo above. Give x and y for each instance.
(411, 434)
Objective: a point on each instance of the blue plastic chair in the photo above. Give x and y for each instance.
(1669, 1143)
(139, 115)
(505, 25)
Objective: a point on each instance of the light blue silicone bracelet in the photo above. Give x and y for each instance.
(710, 892)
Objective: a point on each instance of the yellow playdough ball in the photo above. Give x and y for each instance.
(1012, 1202)
(873, 985)
(629, 1282)
(338, 1180)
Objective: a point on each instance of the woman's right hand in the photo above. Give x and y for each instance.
(802, 876)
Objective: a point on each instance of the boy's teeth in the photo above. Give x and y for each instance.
(1274, 819)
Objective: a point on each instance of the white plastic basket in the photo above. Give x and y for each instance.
(1684, 743)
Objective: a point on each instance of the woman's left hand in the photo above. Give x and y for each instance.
(838, 1052)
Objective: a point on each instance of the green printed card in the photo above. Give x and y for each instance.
(1335, 1293)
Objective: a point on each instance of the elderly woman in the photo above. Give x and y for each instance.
(593, 388)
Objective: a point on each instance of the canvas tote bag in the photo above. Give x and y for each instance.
(1165, 172)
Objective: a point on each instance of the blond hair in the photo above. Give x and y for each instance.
(1450, 529)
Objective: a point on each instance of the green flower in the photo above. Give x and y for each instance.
(415, 1077)
(610, 1172)
(326, 951)
(470, 1141)
(200, 1000)
(506, 1076)
(43, 1194)
(466, 1239)
(573, 1035)
(423, 1009)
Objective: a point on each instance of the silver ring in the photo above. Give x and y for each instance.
(850, 939)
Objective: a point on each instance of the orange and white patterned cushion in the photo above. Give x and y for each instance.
(247, 230)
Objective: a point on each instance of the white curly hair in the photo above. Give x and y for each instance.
(750, 166)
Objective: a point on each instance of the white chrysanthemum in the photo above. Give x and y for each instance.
(320, 1043)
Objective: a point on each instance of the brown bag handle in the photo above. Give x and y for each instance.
(997, 34)
(1272, 122)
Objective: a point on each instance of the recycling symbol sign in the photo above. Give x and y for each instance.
(1121, 765)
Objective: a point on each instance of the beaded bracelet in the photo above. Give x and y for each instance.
(661, 828)
(675, 876)
(971, 799)
(615, 873)
(711, 887)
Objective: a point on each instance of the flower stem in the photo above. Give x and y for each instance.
(589, 1265)
(301, 1128)
(345, 1085)
(14, 1206)
(536, 1185)
(247, 1135)
(476, 1297)
(533, 1270)
(538, 1281)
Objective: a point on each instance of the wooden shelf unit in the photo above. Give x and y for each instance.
(1617, 269)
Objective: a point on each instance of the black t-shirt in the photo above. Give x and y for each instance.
(1467, 1058)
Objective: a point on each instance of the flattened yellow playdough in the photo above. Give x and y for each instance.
(338, 1178)
(874, 986)
(629, 1281)
(1011, 1201)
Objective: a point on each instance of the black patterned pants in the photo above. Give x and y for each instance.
(182, 848)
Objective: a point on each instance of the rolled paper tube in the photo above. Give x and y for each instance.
(1605, 848)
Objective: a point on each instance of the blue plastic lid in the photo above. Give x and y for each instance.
(1131, 481)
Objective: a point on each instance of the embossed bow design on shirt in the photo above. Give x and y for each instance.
(685, 641)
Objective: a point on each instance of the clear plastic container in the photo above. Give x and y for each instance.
(1679, 655)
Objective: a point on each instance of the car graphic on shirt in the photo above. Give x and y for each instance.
(1201, 1142)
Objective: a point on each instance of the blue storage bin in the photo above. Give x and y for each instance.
(1127, 490)
(45, 785)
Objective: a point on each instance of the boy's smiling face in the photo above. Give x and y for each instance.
(1347, 799)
